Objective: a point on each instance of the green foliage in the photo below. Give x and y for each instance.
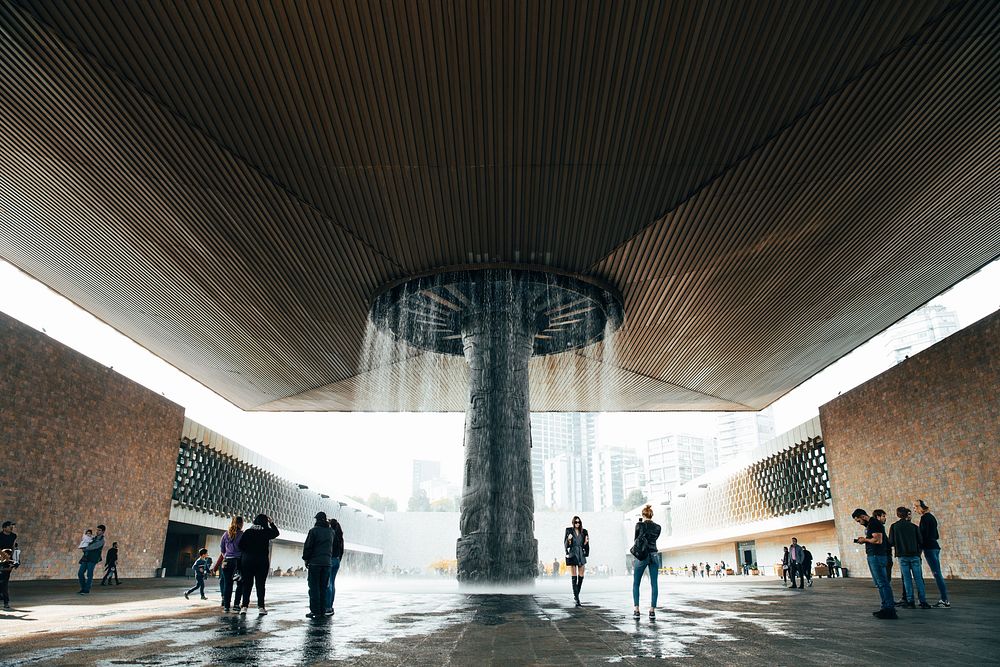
(634, 498)
(419, 502)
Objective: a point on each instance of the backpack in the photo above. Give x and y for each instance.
(640, 550)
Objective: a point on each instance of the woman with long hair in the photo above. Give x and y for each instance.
(577, 543)
(229, 560)
(651, 561)
(255, 560)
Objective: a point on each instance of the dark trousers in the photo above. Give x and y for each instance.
(253, 571)
(110, 570)
(230, 567)
(797, 570)
(199, 583)
(784, 573)
(5, 587)
(319, 576)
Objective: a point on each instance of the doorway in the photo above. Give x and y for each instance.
(746, 555)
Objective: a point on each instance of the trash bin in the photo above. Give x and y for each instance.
(161, 573)
(844, 572)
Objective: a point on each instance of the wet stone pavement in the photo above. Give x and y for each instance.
(428, 622)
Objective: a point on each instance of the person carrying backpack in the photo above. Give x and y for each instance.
(646, 557)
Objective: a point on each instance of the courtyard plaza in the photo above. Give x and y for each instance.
(735, 620)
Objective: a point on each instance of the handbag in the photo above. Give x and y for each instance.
(571, 559)
(640, 549)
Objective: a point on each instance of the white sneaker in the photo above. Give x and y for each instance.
(243, 611)
(261, 611)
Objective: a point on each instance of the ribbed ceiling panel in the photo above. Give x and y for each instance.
(768, 184)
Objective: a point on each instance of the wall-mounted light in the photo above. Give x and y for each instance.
(302, 486)
(323, 495)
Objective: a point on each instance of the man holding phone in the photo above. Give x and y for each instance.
(876, 548)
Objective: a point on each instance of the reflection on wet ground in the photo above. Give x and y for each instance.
(437, 624)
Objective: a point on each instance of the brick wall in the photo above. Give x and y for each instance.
(927, 428)
(81, 445)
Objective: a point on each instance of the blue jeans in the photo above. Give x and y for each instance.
(331, 589)
(876, 565)
(639, 566)
(86, 576)
(933, 557)
(909, 568)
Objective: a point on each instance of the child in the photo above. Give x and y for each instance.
(200, 572)
(88, 537)
(7, 565)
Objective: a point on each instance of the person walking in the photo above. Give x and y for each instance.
(255, 562)
(646, 558)
(785, 564)
(200, 567)
(807, 565)
(829, 565)
(111, 566)
(796, 560)
(905, 540)
(338, 553)
(876, 545)
(932, 549)
(316, 553)
(836, 566)
(7, 566)
(89, 560)
(229, 557)
(555, 567)
(577, 543)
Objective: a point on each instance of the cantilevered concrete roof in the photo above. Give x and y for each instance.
(768, 184)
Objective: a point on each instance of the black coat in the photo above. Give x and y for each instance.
(586, 541)
(318, 548)
(338, 540)
(652, 531)
(255, 540)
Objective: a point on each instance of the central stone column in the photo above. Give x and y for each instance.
(497, 523)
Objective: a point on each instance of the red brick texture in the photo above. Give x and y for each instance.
(81, 445)
(927, 428)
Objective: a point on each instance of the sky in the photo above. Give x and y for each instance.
(359, 453)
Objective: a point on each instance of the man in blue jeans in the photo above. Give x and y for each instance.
(91, 557)
(876, 549)
(904, 538)
(932, 550)
(338, 553)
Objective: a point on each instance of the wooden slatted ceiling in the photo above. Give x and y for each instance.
(769, 184)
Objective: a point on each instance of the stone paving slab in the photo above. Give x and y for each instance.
(737, 621)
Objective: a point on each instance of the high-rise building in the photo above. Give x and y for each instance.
(569, 434)
(740, 432)
(424, 471)
(675, 459)
(919, 330)
(609, 465)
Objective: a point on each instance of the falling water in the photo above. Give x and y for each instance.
(497, 319)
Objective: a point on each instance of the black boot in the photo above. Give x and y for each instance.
(574, 587)
(579, 585)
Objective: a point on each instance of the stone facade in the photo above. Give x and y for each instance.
(926, 428)
(81, 445)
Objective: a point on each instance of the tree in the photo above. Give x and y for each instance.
(378, 502)
(419, 502)
(444, 505)
(634, 498)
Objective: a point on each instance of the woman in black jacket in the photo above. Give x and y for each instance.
(650, 531)
(255, 561)
(577, 543)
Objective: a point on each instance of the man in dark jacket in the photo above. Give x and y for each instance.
(905, 540)
(338, 553)
(932, 550)
(91, 557)
(807, 565)
(111, 566)
(317, 552)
